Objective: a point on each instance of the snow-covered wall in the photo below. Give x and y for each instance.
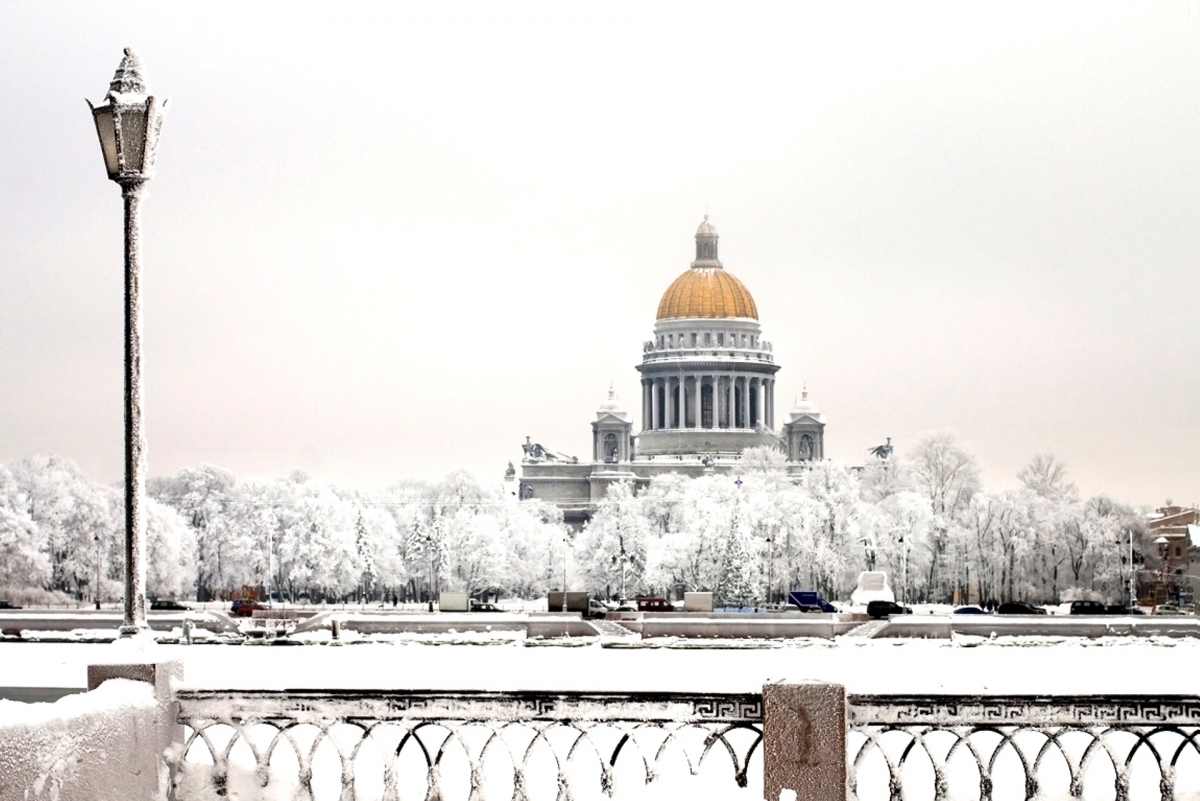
(94, 746)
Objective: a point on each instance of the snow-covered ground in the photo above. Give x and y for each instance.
(504, 661)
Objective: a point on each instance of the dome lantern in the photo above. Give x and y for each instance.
(706, 245)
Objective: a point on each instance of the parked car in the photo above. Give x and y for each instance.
(7, 605)
(482, 606)
(1019, 608)
(596, 608)
(1169, 609)
(1088, 608)
(970, 609)
(1117, 609)
(168, 606)
(243, 608)
(879, 610)
(654, 603)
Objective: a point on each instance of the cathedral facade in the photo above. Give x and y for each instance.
(707, 393)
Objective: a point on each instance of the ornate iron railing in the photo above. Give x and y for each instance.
(1023, 747)
(349, 745)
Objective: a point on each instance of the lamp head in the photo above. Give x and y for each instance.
(129, 123)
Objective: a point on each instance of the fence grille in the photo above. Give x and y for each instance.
(1023, 747)
(471, 745)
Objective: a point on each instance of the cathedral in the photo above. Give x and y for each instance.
(708, 393)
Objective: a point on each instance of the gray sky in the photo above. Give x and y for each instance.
(390, 240)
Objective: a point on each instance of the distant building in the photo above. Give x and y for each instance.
(707, 394)
(1176, 525)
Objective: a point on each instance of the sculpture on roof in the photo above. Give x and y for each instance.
(536, 452)
(884, 451)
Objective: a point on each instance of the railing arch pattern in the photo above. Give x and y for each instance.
(1041, 746)
(470, 745)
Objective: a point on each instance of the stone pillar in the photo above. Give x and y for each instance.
(645, 405)
(742, 403)
(669, 401)
(697, 402)
(804, 740)
(761, 402)
(653, 403)
(772, 403)
(719, 399)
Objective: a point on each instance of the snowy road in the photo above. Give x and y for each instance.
(899, 666)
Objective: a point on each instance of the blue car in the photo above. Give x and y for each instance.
(970, 610)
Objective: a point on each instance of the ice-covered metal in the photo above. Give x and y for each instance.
(128, 126)
(471, 744)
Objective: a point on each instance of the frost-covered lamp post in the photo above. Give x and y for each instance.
(1162, 544)
(128, 124)
(97, 538)
(770, 566)
(566, 542)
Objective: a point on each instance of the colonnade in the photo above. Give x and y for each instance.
(708, 400)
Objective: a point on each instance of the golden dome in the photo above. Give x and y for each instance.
(706, 292)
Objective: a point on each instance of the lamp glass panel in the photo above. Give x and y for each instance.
(133, 137)
(108, 139)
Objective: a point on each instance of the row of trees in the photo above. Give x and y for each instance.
(923, 518)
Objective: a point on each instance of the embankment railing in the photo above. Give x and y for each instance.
(806, 738)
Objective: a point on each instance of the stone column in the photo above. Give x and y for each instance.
(744, 403)
(804, 740)
(762, 402)
(653, 403)
(697, 402)
(645, 405)
(772, 403)
(727, 399)
(669, 399)
(720, 399)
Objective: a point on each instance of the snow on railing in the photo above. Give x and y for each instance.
(1043, 747)
(438, 745)
(529, 745)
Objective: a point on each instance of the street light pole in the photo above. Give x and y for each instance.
(1132, 573)
(128, 126)
(97, 538)
(566, 542)
(770, 566)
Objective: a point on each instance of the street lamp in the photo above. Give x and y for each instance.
(770, 566)
(1163, 551)
(566, 543)
(97, 538)
(128, 125)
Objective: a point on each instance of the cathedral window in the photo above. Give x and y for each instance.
(707, 339)
(693, 339)
(721, 339)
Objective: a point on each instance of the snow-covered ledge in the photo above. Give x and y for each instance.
(105, 744)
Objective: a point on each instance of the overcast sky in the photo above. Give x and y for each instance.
(390, 240)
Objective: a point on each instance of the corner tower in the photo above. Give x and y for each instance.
(708, 377)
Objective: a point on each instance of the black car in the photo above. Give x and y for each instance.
(7, 605)
(1019, 608)
(168, 606)
(1088, 608)
(878, 610)
(477, 606)
(1118, 609)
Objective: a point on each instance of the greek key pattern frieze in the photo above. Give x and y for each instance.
(1016, 709)
(1121, 747)
(557, 746)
